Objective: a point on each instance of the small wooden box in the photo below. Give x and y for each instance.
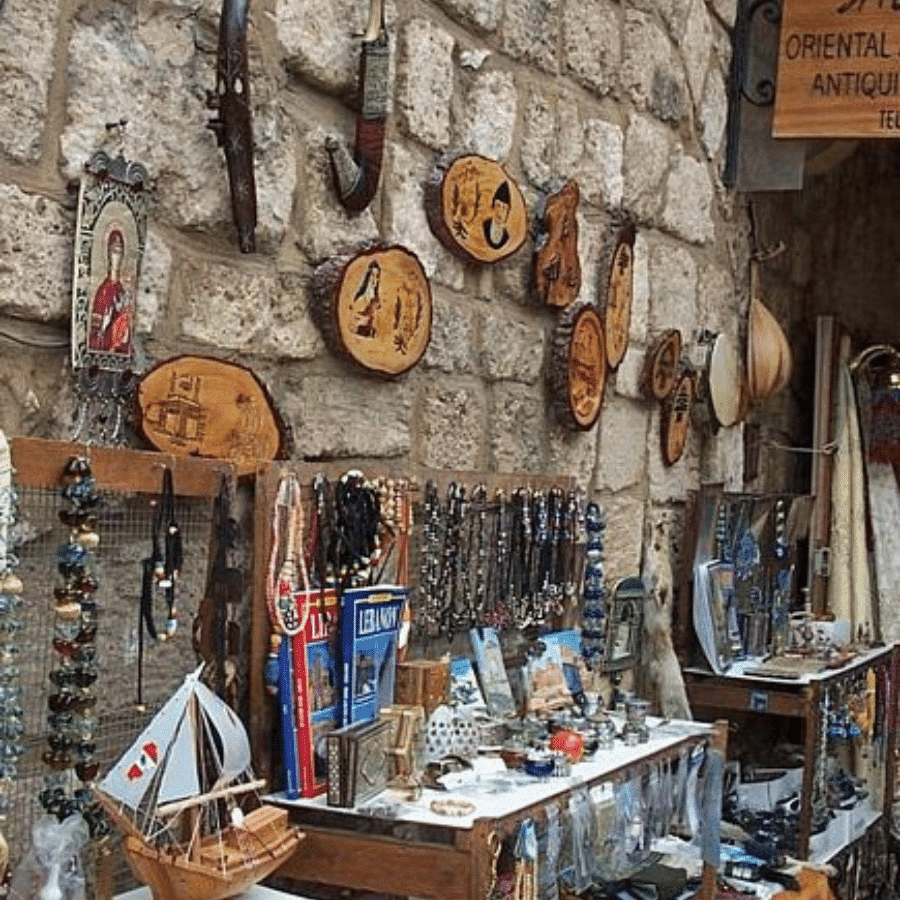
(406, 753)
(422, 682)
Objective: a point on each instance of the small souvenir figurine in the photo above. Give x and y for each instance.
(110, 239)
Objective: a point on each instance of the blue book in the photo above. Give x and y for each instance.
(495, 686)
(370, 622)
(289, 753)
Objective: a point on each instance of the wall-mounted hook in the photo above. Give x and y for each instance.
(356, 178)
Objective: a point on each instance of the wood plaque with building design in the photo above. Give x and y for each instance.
(578, 371)
(476, 209)
(557, 268)
(838, 70)
(375, 308)
(200, 406)
(676, 418)
(618, 269)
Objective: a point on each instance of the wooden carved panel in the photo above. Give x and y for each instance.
(557, 268)
(476, 209)
(374, 307)
(676, 419)
(661, 365)
(618, 270)
(578, 371)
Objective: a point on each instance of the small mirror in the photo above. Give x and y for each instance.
(626, 611)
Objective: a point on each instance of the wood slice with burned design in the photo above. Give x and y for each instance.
(578, 367)
(476, 209)
(661, 365)
(557, 267)
(374, 307)
(617, 268)
(676, 418)
(200, 406)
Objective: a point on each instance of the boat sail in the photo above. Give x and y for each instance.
(185, 796)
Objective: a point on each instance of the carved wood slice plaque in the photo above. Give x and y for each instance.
(618, 270)
(375, 308)
(661, 365)
(476, 209)
(199, 406)
(578, 370)
(676, 419)
(557, 268)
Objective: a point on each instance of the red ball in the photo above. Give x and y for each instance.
(569, 742)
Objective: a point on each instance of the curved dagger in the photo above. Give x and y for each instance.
(232, 125)
(356, 178)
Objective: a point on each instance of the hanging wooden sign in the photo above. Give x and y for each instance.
(661, 363)
(374, 307)
(199, 406)
(676, 419)
(618, 269)
(557, 268)
(838, 73)
(578, 370)
(476, 209)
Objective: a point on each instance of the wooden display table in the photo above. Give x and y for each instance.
(417, 852)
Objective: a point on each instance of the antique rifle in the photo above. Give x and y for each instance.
(356, 177)
(232, 125)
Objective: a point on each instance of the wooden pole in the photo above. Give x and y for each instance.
(718, 744)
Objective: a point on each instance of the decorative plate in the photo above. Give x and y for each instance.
(618, 269)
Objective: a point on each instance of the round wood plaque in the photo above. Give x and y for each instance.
(724, 381)
(676, 419)
(200, 406)
(661, 365)
(557, 267)
(579, 366)
(618, 267)
(476, 209)
(375, 308)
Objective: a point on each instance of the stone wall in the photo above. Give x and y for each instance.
(627, 97)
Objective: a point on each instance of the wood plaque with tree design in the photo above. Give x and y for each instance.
(557, 268)
(578, 371)
(374, 307)
(618, 269)
(200, 406)
(476, 209)
(676, 418)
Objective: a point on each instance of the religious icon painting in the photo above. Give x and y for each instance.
(557, 267)
(578, 371)
(476, 209)
(374, 307)
(617, 269)
(111, 235)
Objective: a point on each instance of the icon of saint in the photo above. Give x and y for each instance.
(112, 309)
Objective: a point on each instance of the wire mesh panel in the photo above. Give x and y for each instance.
(135, 674)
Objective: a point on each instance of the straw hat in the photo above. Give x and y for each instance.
(768, 354)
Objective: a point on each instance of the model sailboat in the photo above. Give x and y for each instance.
(185, 797)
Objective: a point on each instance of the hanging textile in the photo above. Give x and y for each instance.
(849, 586)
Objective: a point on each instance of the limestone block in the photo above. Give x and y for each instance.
(322, 225)
(668, 484)
(402, 178)
(529, 32)
(453, 336)
(519, 428)
(340, 416)
(627, 380)
(425, 82)
(453, 423)
(717, 300)
(36, 253)
(153, 287)
(511, 349)
(673, 287)
(651, 71)
(27, 41)
(723, 458)
(713, 113)
(552, 137)
(483, 14)
(696, 44)
(640, 296)
(622, 450)
(674, 13)
(600, 176)
(591, 42)
(623, 538)
(591, 234)
(490, 115)
(572, 453)
(689, 201)
(647, 148)
(726, 10)
(243, 306)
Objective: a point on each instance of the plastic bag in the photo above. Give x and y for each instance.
(52, 869)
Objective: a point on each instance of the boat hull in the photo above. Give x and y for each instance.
(223, 865)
